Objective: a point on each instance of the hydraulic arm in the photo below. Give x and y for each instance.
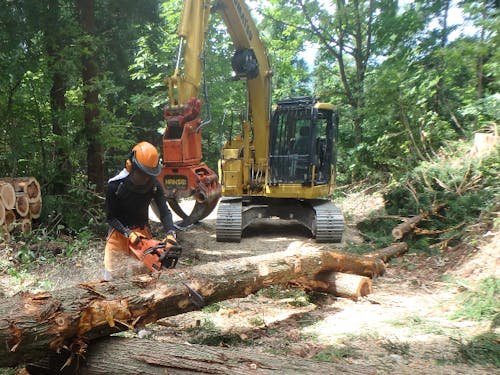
(283, 162)
(184, 174)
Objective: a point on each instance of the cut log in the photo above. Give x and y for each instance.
(394, 250)
(22, 205)
(337, 283)
(7, 195)
(10, 218)
(401, 229)
(28, 185)
(139, 356)
(2, 213)
(484, 143)
(32, 325)
(4, 233)
(349, 286)
(35, 209)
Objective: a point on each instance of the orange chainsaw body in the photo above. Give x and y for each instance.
(156, 255)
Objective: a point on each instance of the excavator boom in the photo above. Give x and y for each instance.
(283, 162)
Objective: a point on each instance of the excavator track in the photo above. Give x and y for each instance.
(329, 221)
(228, 226)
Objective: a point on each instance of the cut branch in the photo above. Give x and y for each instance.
(401, 229)
(389, 252)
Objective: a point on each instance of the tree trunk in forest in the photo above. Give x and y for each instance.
(117, 355)
(95, 149)
(54, 46)
(33, 325)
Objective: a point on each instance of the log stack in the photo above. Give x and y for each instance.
(20, 203)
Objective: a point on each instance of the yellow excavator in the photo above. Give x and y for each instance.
(282, 165)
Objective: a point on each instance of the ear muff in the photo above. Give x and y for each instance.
(128, 162)
(128, 166)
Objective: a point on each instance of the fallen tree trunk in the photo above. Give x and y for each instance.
(391, 251)
(401, 229)
(147, 357)
(32, 325)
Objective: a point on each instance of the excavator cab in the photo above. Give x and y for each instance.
(300, 174)
(302, 142)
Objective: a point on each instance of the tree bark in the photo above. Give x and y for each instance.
(55, 42)
(95, 149)
(32, 325)
(401, 229)
(147, 357)
(394, 250)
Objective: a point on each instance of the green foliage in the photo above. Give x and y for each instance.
(257, 321)
(403, 94)
(43, 245)
(214, 307)
(480, 302)
(482, 349)
(466, 187)
(79, 209)
(377, 231)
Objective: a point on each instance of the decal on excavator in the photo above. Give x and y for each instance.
(175, 182)
(243, 19)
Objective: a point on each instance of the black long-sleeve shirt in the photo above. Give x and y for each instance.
(127, 207)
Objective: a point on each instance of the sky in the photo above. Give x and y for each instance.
(455, 18)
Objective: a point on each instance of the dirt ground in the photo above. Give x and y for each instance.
(403, 327)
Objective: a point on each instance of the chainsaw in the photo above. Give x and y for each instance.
(156, 255)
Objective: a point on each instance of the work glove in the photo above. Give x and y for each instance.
(134, 237)
(171, 238)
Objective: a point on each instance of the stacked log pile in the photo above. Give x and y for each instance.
(20, 203)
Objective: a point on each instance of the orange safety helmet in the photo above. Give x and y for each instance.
(144, 157)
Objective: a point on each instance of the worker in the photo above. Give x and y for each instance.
(128, 197)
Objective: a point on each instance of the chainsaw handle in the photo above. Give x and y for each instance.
(153, 249)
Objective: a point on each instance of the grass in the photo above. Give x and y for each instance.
(479, 302)
(396, 347)
(257, 321)
(297, 297)
(419, 324)
(335, 353)
(207, 333)
(483, 349)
